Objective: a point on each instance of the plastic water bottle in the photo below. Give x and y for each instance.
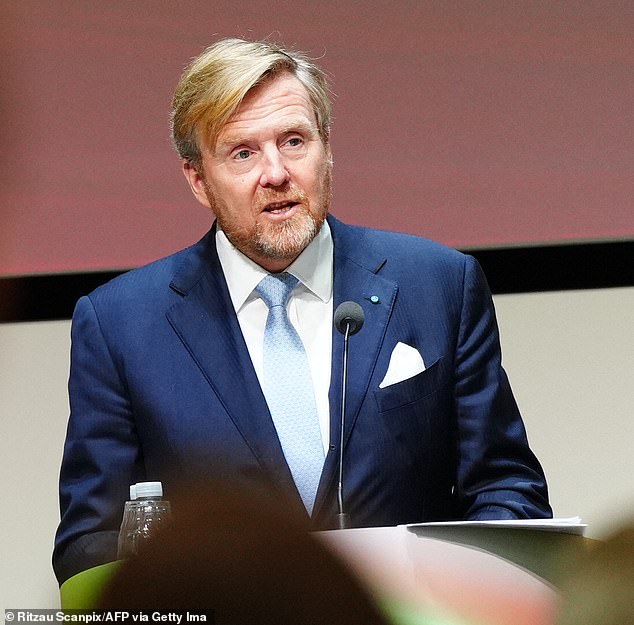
(146, 512)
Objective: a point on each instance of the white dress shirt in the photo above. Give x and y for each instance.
(309, 310)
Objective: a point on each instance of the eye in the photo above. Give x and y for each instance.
(294, 142)
(242, 155)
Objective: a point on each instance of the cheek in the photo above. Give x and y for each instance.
(311, 178)
(238, 196)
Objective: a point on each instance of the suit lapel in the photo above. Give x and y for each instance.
(355, 279)
(208, 327)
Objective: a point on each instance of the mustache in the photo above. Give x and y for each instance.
(288, 193)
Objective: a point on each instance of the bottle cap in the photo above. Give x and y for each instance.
(148, 489)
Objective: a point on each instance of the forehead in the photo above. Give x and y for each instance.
(277, 103)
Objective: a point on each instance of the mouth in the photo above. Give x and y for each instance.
(280, 208)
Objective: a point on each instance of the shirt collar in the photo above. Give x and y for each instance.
(313, 268)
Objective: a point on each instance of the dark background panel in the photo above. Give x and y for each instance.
(511, 270)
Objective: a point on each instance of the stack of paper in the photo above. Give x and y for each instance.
(567, 525)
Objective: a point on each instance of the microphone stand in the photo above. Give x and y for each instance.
(343, 519)
(348, 319)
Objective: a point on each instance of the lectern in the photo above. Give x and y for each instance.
(433, 574)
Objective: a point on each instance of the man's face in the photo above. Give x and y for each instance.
(268, 178)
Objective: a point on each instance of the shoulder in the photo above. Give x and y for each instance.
(398, 251)
(145, 288)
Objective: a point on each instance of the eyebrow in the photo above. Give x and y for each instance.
(293, 126)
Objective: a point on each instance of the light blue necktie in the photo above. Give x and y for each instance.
(288, 388)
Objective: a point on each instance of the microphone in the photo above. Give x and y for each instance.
(349, 317)
(348, 320)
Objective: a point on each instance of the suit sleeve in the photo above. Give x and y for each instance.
(498, 476)
(101, 455)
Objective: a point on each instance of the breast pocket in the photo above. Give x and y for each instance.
(414, 389)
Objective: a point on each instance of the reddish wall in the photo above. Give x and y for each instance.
(476, 123)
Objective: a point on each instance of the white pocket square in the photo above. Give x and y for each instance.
(405, 363)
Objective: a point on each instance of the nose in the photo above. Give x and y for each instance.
(274, 172)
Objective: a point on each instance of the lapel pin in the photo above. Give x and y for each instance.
(375, 299)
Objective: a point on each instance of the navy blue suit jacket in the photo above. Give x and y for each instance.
(162, 388)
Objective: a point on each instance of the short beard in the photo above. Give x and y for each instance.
(279, 242)
(285, 241)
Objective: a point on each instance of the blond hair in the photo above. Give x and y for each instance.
(214, 84)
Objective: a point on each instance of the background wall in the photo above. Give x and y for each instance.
(473, 122)
(569, 356)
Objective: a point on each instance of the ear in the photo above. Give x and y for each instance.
(196, 183)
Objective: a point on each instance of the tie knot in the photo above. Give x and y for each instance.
(276, 288)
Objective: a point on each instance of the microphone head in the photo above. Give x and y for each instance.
(349, 314)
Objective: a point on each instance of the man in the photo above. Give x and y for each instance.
(190, 367)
